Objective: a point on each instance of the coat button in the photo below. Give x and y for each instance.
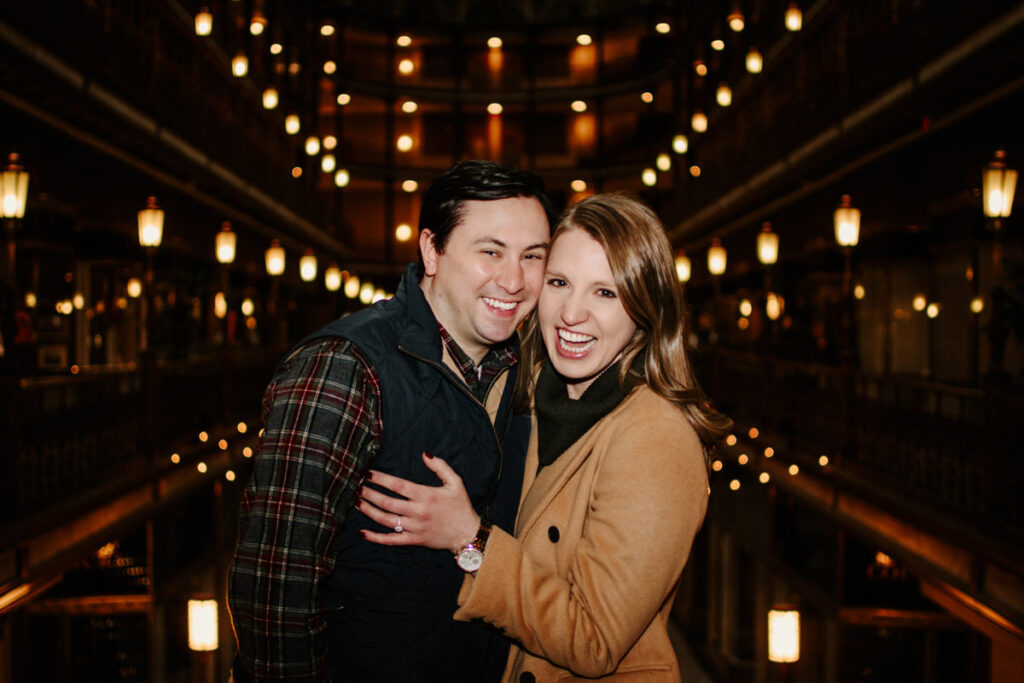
(553, 533)
(526, 676)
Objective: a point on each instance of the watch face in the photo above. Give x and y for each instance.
(470, 559)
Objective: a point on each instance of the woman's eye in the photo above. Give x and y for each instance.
(607, 293)
(556, 282)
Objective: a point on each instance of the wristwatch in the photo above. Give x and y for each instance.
(471, 555)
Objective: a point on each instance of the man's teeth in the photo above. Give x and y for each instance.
(503, 305)
(574, 337)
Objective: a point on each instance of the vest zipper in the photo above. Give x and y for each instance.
(450, 376)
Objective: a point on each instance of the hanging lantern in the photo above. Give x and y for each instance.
(220, 305)
(649, 177)
(275, 258)
(332, 278)
(998, 184)
(307, 266)
(767, 245)
(225, 243)
(784, 634)
(151, 224)
(258, 23)
(352, 286)
(204, 22)
(682, 266)
(680, 144)
(774, 305)
(270, 98)
(755, 62)
(13, 189)
(699, 121)
(794, 17)
(202, 625)
(366, 293)
(716, 257)
(240, 64)
(723, 95)
(403, 232)
(847, 224)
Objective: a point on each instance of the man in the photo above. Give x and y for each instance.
(432, 370)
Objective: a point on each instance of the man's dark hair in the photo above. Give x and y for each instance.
(442, 206)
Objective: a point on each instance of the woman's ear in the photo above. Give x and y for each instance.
(428, 252)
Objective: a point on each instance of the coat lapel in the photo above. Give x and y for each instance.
(552, 479)
(540, 489)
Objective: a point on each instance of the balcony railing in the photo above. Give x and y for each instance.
(67, 436)
(953, 449)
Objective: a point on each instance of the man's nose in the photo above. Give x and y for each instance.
(512, 278)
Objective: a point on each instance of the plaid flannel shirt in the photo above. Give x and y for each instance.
(322, 428)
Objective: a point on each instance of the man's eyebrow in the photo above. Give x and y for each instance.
(504, 245)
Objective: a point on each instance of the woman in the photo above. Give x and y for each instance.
(616, 478)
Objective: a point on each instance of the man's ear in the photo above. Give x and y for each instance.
(428, 252)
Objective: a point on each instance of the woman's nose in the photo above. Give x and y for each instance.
(574, 311)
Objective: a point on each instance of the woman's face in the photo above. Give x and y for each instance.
(583, 322)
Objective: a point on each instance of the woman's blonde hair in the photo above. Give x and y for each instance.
(640, 257)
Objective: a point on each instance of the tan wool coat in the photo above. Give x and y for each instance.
(586, 584)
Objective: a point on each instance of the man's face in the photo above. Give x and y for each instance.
(488, 278)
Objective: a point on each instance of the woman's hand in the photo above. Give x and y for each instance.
(430, 516)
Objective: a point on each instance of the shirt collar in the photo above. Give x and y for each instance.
(497, 358)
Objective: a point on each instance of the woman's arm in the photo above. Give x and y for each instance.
(648, 502)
